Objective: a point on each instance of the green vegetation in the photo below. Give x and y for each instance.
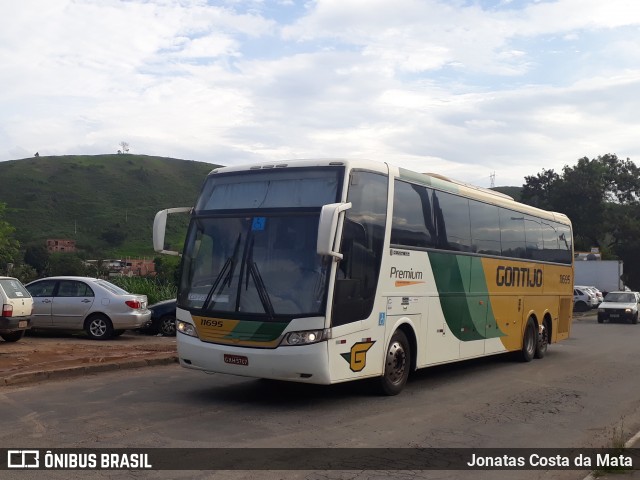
(513, 192)
(8, 245)
(106, 203)
(602, 198)
(154, 290)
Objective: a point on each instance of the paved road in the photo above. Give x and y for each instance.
(583, 394)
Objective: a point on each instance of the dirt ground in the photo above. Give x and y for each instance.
(52, 351)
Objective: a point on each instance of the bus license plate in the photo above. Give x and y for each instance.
(22, 324)
(236, 359)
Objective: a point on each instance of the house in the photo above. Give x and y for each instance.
(55, 245)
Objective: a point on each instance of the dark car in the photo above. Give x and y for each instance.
(163, 318)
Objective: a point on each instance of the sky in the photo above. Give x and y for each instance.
(483, 91)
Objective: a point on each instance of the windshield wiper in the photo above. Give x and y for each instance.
(263, 294)
(228, 268)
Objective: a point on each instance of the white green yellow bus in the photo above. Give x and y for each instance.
(326, 271)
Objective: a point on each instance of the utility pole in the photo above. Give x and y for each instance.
(493, 179)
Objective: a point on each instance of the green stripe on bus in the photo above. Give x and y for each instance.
(257, 331)
(464, 296)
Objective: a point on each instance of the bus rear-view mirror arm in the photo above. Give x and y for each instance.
(328, 226)
(160, 227)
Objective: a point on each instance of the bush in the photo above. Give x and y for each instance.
(155, 290)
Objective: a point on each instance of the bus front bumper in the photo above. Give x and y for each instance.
(305, 363)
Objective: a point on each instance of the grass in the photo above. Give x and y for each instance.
(617, 443)
(154, 290)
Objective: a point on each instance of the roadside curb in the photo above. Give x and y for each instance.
(70, 372)
(619, 475)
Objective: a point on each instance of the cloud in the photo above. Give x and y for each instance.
(464, 88)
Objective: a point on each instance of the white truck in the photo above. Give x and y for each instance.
(605, 275)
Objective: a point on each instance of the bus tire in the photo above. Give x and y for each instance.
(543, 340)
(529, 341)
(397, 363)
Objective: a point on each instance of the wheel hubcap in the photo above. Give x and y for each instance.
(98, 328)
(396, 363)
(531, 340)
(168, 327)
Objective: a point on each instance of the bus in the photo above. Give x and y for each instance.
(326, 271)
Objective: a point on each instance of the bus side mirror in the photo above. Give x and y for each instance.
(327, 227)
(160, 227)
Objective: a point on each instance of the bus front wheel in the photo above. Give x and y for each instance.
(397, 364)
(529, 341)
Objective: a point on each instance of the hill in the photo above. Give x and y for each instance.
(106, 203)
(513, 192)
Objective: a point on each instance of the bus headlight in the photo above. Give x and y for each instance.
(186, 328)
(305, 337)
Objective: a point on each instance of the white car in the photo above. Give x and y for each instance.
(619, 306)
(96, 306)
(593, 290)
(584, 299)
(17, 307)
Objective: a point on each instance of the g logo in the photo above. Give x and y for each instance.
(357, 358)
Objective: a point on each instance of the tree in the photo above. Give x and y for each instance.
(37, 256)
(167, 269)
(538, 191)
(125, 147)
(601, 196)
(9, 246)
(66, 264)
(114, 235)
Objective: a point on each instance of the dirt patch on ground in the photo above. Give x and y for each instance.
(40, 352)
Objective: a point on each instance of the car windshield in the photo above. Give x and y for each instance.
(619, 297)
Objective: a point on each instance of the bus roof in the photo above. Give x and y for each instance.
(433, 180)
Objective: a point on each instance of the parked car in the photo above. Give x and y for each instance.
(583, 299)
(594, 290)
(619, 306)
(17, 308)
(163, 319)
(98, 307)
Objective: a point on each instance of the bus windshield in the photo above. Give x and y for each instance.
(254, 265)
(251, 247)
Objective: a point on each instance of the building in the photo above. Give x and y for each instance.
(55, 245)
(138, 267)
(130, 267)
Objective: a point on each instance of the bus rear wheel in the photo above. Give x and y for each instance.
(397, 363)
(544, 337)
(529, 341)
